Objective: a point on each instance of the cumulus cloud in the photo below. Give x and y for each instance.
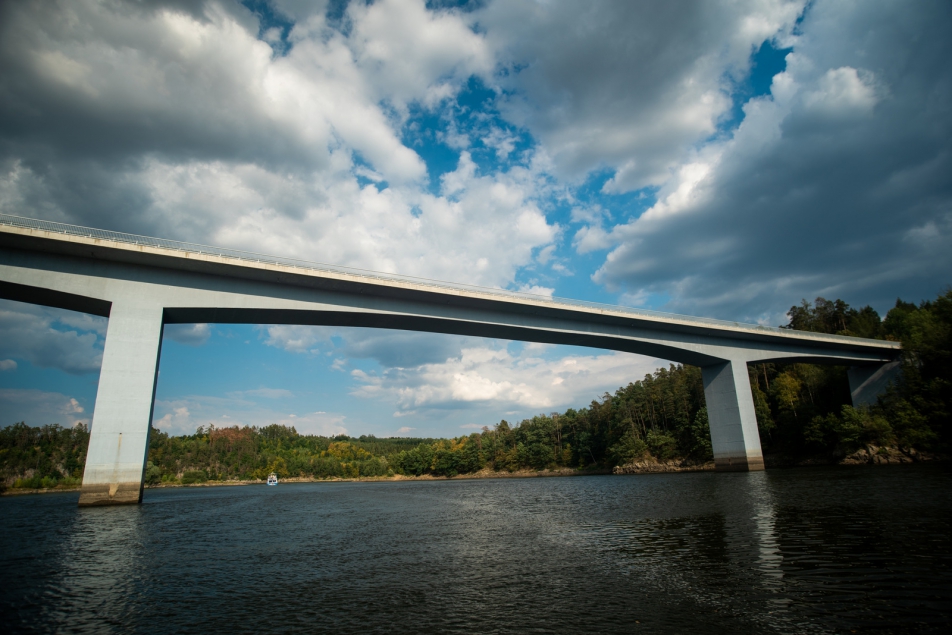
(491, 380)
(7, 364)
(186, 125)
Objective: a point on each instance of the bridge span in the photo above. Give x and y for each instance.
(143, 283)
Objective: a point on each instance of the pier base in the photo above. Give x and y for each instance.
(731, 415)
(119, 438)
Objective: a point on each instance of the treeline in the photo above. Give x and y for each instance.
(44, 457)
(244, 453)
(801, 410)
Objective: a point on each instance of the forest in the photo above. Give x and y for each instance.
(802, 410)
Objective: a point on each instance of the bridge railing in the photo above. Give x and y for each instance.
(250, 256)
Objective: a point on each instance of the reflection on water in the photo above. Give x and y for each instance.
(798, 551)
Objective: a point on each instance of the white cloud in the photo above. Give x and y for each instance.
(295, 338)
(535, 289)
(493, 380)
(591, 238)
(411, 54)
(7, 364)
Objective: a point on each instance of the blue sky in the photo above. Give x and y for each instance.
(722, 159)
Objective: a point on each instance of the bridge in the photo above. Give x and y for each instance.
(142, 283)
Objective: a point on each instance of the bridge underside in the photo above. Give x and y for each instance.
(140, 298)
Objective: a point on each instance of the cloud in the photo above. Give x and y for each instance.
(184, 124)
(39, 408)
(490, 379)
(409, 53)
(402, 349)
(7, 364)
(834, 184)
(405, 430)
(39, 335)
(188, 334)
(622, 85)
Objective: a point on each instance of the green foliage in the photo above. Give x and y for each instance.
(628, 449)
(194, 476)
(44, 457)
(849, 429)
(153, 474)
(835, 317)
(662, 445)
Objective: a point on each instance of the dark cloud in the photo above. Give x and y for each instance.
(839, 185)
(403, 350)
(27, 332)
(623, 85)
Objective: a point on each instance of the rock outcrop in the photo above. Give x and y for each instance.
(650, 465)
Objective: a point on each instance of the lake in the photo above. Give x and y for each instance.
(859, 549)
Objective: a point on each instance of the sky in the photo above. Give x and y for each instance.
(714, 158)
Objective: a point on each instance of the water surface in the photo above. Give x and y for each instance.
(785, 551)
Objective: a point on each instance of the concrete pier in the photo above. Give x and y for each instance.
(119, 440)
(142, 283)
(732, 418)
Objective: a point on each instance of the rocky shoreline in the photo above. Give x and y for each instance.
(869, 455)
(653, 466)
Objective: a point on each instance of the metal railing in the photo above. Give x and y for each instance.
(253, 257)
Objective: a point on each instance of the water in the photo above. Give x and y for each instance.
(789, 551)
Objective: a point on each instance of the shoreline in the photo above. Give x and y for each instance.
(870, 455)
(482, 474)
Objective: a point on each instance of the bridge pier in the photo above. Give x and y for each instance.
(732, 418)
(119, 439)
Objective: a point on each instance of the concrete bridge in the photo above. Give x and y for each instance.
(143, 283)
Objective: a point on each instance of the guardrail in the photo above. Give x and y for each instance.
(250, 256)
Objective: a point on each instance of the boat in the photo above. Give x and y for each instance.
(272, 479)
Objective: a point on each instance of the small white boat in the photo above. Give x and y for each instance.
(272, 479)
